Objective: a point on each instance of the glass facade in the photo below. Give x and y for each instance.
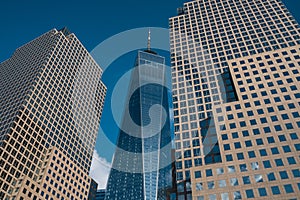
(235, 89)
(142, 162)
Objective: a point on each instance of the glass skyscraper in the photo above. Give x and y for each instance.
(141, 166)
(51, 100)
(235, 74)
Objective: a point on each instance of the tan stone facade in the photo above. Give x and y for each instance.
(60, 178)
(232, 63)
(51, 97)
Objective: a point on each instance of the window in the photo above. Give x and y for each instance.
(274, 118)
(232, 126)
(280, 108)
(267, 164)
(296, 173)
(234, 182)
(248, 143)
(275, 190)
(262, 192)
(274, 150)
(187, 154)
(245, 133)
(291, 160)
(256, 131)
(231, 169)
(288, 188)
(224, 196)
(246, 180)
(270, 140)
(258, 178)
(267, 129)
(197, 152)
(240, 156)
(197, 174)
(283, 175)
(237, 145)
(229, 158)
(237, 195)
(286, 149)
(259, 141)
(243, 168)
(240, 115)
(278, 128)
(224, 137)
(271, 176)
(209, 172)
(178, 165)
(211, 185)
(251, 154)
(263, 152)
(250, 113)
(199, 186)
(279, 162)
(198, 161)
(253, 122)
(249, 193)
(230, 117)
(263, 120)
(220, 171)
(179, 176)
(188, 163)
(212, 197)
(235, 135)
(256, 103)
(226, 147)
(293, 136)
(284, 116)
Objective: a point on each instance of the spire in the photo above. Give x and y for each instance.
(149, 40)
(149, 44)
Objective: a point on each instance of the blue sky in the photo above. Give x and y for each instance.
(93, 21)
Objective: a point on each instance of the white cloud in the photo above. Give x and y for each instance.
(100, 169)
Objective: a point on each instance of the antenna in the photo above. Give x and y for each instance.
(149, 40)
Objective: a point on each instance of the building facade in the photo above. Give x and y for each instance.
(100, 195)
(141, 166)
(235, 67)
(50, 107)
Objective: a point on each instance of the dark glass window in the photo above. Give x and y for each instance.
(275, 190)
(267, 164)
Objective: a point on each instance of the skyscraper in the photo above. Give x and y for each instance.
(51, 99)
(100, 195)
(235, 67)
(141, 166)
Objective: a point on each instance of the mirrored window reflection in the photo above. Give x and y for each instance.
(258, 178)
(234, 181)
(224, 196)
(211, 185)
(237, 195)
(254, 166)
(212, 197)
(199, 186)
(231, 169)
(222, 183)
(220, 171)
